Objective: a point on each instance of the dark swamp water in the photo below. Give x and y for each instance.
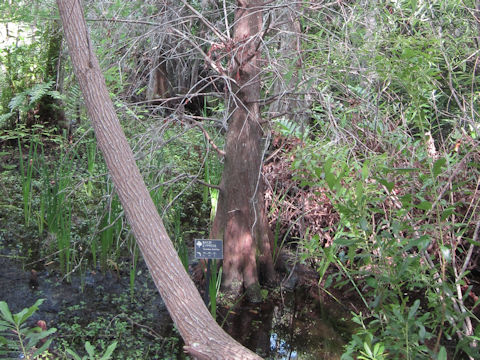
(100, 308)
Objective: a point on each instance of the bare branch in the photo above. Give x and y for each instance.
(209, 139)
(206, 22)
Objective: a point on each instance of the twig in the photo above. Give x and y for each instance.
(218, 187)
(470, 251)
(253, 200)
(205, 21)
(227, 28)
(205, 56)
(209, 139)
(138, 22)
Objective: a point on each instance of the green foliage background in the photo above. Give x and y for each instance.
(379, 83)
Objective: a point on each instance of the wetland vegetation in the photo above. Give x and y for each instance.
(363, 189)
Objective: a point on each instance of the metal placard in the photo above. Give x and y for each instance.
(208, 249)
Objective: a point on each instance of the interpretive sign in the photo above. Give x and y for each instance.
(208, 249)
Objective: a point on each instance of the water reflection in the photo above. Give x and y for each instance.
(281, 348)
(295, 328)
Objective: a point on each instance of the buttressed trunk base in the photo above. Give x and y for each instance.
(240, 213)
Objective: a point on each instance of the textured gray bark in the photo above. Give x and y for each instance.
(202, 335)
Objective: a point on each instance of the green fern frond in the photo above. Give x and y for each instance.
(38, 91)
(288, 127)
(55, 94)
(18, 101)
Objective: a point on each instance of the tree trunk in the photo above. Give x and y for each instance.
(203, 337)
(50, 109)
(288, 102)
(158, 85)
(240, 220)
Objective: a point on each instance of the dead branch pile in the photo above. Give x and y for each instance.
(294, 210)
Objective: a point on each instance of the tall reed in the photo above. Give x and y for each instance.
(91, 148)
(133, 269)
(111, 226)
(212, 176)
(26, 175)
(59, 209)
(214, 285)
(64, 238)
(180, 244)
(44, 192)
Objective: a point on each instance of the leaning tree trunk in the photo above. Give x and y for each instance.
(203, 337)
(240, 220)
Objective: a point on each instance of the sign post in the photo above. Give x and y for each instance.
(208, 249)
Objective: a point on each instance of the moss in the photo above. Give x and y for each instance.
(254, 293)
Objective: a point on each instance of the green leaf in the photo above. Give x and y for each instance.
(413, 309)
(372, 282)
(359, 191)
(364, 225)
(328, 281)
(378, 349)
(404, 170)
(110, 350)
(365, 169)
(422, 332)
(288, 76)
(345, 241)
(44, 347)
(446, 253)
(26, 313)
(6, 314)
(90, 349)
(424, 205)
(368, 351)
(438, 166)
(17, 101)
(329, 176)
(55, 94)
(389, 185)
(38, 91)
(46, 333)
(421, 243)
(442, 354)
(406, 200)
(477, 329)
(344, 210)
(329, 252)
(447, 213)
(73, 354)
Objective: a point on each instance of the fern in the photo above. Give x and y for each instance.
(72, 99)
(38, 91)
(17, 101)
(290, 128)
(35, 93)
(4, 119)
